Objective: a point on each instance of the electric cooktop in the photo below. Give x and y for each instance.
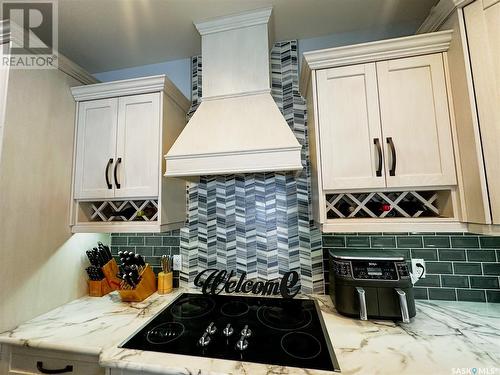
(276, 331)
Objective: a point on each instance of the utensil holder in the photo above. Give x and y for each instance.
(165, 282)
(110, 270)
(146, 287)
(99, 288)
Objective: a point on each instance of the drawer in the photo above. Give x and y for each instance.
(25, 361)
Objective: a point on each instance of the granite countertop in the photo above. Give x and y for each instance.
(444, 338)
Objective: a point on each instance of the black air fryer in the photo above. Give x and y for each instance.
(368, 284)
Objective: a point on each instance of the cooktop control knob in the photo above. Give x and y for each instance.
(211, 329)
(242, 343)
(204, 340)
(228, 331)
(246, 332)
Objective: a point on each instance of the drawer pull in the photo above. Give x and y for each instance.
(39, 366)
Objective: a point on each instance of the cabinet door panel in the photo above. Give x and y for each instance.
(138, 146)
(96, 145)
(349, 124)
(414, 113)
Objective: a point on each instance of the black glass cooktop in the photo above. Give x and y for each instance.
(276, 331)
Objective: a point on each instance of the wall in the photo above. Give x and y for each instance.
(463, 267)
(39, 256)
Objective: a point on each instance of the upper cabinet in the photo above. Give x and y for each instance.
(123, 129)
(381, 135)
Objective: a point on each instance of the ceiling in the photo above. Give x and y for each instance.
(103, 35)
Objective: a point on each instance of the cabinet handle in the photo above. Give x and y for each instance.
(39, 366)
(118, 161)
(376, 141)
(106, 173)
(392, 171)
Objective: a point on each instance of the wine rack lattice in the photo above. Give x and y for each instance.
(128, 210)
(409, 204)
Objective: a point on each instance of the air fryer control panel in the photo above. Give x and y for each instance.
(371, 269)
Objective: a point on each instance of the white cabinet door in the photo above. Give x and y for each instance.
(416, 122)
(137, 151)
(349, 125)
(95, 149)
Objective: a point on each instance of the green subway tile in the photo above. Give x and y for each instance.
(420, 293)
(493, 296)
(436, 241)
(467, 268)
(429, 280)
(358, 241)
(491, 269)
(119, 240)
(454, 281)
(448, 254)
(439, 267)
(465, 242)
(490, 242)
(161, 250)
(380, 241)
(144, 250)
(116, 249)
(136, 241)
(153, 241)
(471, 295)
(405, 253)
(394, 234)
(484, 282)
(498, 255)
(426, 254)
(171, 241)
(481, 256)
(442, 294)
(154, 261)
(413, 242)
(333, 241)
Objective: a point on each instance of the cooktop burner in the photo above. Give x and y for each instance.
(276, 331)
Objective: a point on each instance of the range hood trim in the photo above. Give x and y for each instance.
(234, 21)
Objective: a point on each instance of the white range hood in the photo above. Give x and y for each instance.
(238, 127)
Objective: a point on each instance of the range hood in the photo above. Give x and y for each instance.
(238, 127)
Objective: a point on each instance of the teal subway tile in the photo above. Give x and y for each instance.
(153, 241)
(119, 240)
(175, 250)
(171, 241)
(436, 241)
(136, 241)
(429, 280)
(449, 254)
(426, 254)
(162, 250)
(493, 296)
(491, 269)
(490, 242)
(442, 294)
(439, 267)
(452, 234)
(124, 234)
(481, 256)
(465, 242)
(333, 241)
(359, 241)
(405, 253)
(394, 234)
(454, 281)
(471, 295)
(484, 282)
(116, 249)
(498, 255)
(154, 261)
(383, 241)
(420, 293)
(413, 242)
(467, 268)
(144, 250)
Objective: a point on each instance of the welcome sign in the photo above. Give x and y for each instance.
(214, 281)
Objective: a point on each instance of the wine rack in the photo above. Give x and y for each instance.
(127, 210)
(400, 204)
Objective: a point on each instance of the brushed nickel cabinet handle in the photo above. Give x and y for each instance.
(376, 142)
(392, 170)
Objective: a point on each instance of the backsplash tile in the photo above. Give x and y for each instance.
(464, 267)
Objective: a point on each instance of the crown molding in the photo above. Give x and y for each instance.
(439, 14)
(373, 51)
(234, 21)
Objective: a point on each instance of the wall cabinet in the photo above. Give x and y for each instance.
(123, 130)
(379, 123)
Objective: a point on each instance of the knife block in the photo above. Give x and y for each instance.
(99, 288)
(165, 282)
(146, 287)
(110, 270)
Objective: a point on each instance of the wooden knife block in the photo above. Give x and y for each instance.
(99, 288)
(165, 282)
(146, 287)
(110, 270)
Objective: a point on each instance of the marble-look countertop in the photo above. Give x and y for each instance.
(444, 338)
